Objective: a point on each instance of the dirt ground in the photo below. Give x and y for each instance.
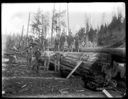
(20, 81)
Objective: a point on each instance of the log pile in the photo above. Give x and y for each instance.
(88, 59)
(93, 69)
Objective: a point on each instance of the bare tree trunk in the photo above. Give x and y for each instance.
(21, 35)
(67, 20)
(28, 28)
(52, 24)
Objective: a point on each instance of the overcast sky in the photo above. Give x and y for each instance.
(15, 15)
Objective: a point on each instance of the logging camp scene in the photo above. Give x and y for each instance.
(63, 50)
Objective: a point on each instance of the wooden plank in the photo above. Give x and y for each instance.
(79, 63)
(107, 93)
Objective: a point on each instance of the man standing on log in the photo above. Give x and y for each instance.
(70, 41)
(62, 40)
(77, 43)
(56, 44)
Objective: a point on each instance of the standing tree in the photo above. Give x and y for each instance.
(87, 29)
(40, 25)
(58, 23)
(76, 42)
(81, 34)
(91, 35)
(112, 33)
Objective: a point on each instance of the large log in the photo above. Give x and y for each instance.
(114, 51)
(118, 54)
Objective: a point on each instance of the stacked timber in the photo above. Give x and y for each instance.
(88, 59)
(91, 67)
(97, 68)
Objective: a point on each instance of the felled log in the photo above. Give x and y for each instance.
(114, 51)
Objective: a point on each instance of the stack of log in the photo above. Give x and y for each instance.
(97, 68)
(70, 60)
(92, 69)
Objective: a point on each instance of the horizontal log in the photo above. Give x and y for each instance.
(114, 51)
(120, 52)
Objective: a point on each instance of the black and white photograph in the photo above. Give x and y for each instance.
(55, 50)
